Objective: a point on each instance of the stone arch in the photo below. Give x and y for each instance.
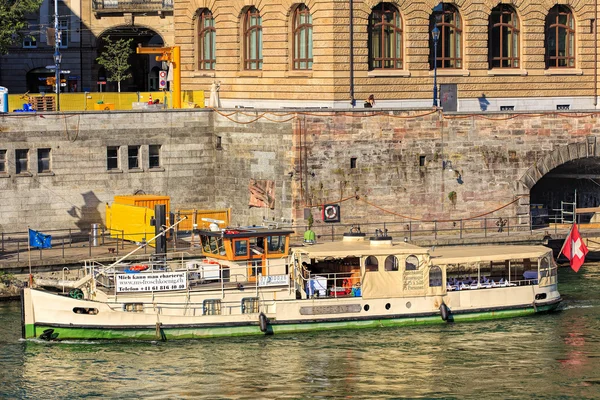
(556, 158)
(193, 6)
(107, 30)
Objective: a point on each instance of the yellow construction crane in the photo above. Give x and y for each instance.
(169, 54)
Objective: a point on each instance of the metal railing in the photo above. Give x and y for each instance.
(131, 5)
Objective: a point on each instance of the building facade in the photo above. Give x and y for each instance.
(490, 55)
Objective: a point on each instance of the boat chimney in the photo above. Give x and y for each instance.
(381, 238)
(355, 235)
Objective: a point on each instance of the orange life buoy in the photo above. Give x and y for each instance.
(139, 267)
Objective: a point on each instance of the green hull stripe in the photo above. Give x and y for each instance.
(68, 333)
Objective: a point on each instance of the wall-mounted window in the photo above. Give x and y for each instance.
(391, 263)
(22, 161)
(385, 37)
(43, 160)
(63, 27)
(303, 46)
(154, 155)
(449, 47)
(435, 276)
(352, 162)
(207, 40)
(112, 158)
(504, 37)
(560, 38)
(252, 39)
(412, 263)
(3, 166)
(133, 157)
(29, 42)
(250, 305)
(211, 307)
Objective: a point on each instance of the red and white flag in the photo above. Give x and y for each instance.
(574, 249)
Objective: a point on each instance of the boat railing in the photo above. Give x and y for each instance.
(474, 285)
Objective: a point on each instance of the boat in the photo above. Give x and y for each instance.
(253, 281)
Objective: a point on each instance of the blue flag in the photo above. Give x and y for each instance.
(39, 240)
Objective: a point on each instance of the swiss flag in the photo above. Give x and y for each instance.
(574, 249)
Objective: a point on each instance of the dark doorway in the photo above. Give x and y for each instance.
(580, 176)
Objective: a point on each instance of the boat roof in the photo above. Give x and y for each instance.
(246, 231)
(342, 249)
(466, 254)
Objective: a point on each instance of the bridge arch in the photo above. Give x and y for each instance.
(556, 177)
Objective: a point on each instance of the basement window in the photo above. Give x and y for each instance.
(43, 160)
(507, 108)
(563, 107)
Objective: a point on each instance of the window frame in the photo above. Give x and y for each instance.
(202, 31)
(436, 268)
(19, 161)
(252, 31)
(3, 161)
(41, 159)
(571, 35)
(31, 41)
(297, 29)
(116, 158)
(63, 27)
(513, 27)
(215, 308)
(369, 267)
(380, 25)
(439, 20)
(136, 157)
(394, 264)
(152, 156)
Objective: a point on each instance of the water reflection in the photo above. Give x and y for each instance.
(552, 355)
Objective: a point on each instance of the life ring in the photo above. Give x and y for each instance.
(331, 212)
(231, 232)
(138, 267)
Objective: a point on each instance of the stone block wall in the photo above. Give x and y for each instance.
(382, 165)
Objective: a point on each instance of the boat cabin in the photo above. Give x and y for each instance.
(262, 250)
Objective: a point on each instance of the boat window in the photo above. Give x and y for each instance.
(544, 267)
(213, 245)
(211, 307)
(257, 245)
(256, 268)
(241, 247)
(391, 263)
(276, 244)
(412, 263)
(371, 264)
(133, 307)
(250, 305)
(435, 276)
(82, 310)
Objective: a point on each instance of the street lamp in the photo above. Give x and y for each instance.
(435, 34)
(57, 59)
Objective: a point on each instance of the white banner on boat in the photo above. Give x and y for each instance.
(273, 280)
(154, 282)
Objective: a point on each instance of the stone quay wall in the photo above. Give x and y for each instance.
(380, 165)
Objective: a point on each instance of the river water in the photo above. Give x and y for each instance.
(545, 356)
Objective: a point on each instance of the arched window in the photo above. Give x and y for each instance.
(560, 38)
(449, 47)
(252, 39)
(303, 30)
(371, 264)
(504, 37)
(435, 276)
(207, 40)
(385, 37)
(391, 263)
(412, 263)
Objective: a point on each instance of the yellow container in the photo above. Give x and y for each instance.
(145, 200)
(104, 107)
